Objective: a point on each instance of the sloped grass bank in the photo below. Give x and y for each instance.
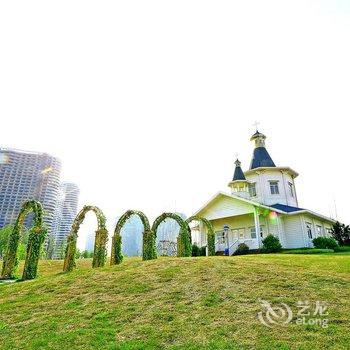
(176, 303)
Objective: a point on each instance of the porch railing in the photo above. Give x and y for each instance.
(233, 247)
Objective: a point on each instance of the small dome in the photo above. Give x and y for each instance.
(257, 135)
(261, 157)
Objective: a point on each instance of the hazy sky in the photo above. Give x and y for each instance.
(147, 102)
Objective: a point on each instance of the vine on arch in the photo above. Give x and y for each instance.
(210, 232)
(184, 239)
(148, 245)
(101, 237)
(36, 238)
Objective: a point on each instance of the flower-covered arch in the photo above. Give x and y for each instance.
(101, 237)
(148, 247)
(184, 239)
(36, 238)
(210, 232)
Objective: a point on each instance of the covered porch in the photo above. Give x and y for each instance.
(232, 231)
(235, 222)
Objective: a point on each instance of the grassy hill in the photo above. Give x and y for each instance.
(176, 303)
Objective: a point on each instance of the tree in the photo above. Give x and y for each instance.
(4, 238)
(341, 233)
(86, 254)
(22, 247)
(62, 249)
(77, 254)
(50, 249)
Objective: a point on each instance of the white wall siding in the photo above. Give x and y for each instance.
(315, 221)
(262, 180)
(293, 232)
(271, 226)
(224, 207)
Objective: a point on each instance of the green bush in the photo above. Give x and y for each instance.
(271, 244)
(195, 250)
(242, 249)
(308, 251)
(342, 249)
(202, 251)
(325, 243)
(4, 238)
(198, 251)
(77, 254)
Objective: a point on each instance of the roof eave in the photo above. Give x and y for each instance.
(306, 211)
(255, 204)
(280, 168)
(237, 181)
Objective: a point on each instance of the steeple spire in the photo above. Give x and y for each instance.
(238, 174)
(261, 157)
(239, 184)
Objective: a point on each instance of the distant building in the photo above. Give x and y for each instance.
(67, 209)
(167, 234)
(90, 241)
(132, 237)
(28, 175)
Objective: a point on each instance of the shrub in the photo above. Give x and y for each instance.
(202, 251)
(198, 251)
(342, 249)
(77, 254)
(271, 244)
(308, 251)
(325, 243)
(242, 249)
(195, 250)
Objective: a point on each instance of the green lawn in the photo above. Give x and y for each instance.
(177, 303)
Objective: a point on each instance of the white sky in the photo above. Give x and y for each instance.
(147, 102)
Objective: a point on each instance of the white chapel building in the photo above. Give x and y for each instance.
(262, 200)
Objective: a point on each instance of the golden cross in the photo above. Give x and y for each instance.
(256, 125)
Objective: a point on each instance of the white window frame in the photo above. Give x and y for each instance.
(291, 189)
(236, 232)
(318, 230)
(252, 233)
(309, 230)
(329, 231)
(274, 187)
(252, 229)
(252, 189)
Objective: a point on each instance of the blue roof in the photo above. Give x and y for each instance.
(261, 158)
(238, 175)
(285, 208)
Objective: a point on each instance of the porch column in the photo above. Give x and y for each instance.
(280, 231)
(257, 225)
